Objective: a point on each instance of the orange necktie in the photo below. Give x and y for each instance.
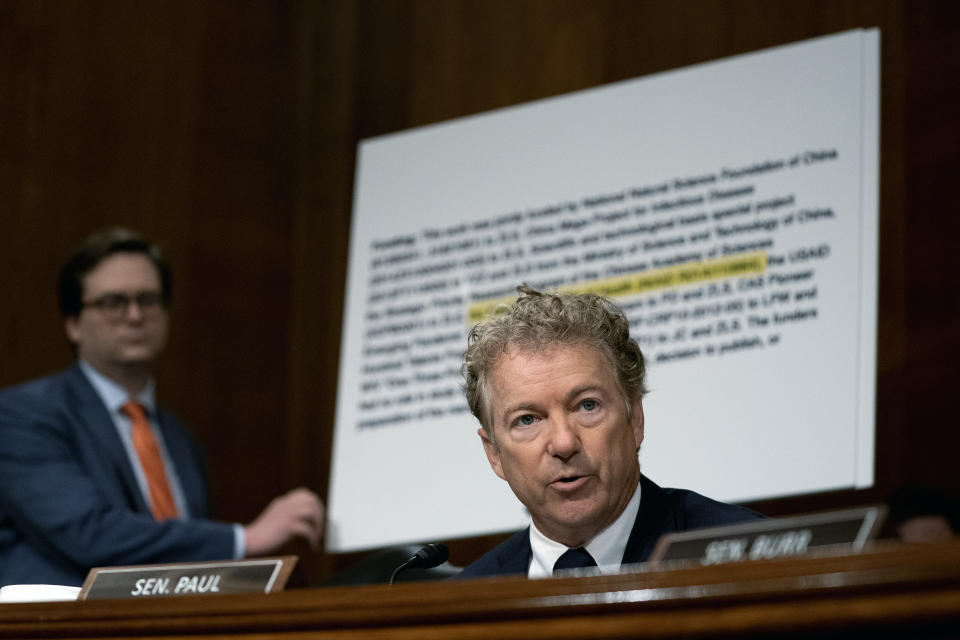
(161, 499)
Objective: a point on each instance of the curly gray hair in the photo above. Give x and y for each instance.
(537, 320)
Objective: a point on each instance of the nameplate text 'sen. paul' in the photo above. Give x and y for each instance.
(260, 575)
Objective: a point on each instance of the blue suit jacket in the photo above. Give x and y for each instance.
(661, 511)
(69, 500)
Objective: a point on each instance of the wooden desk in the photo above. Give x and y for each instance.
(893, 590)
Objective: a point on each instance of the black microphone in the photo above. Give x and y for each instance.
(427, 557)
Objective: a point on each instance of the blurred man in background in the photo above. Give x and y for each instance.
(92, 471)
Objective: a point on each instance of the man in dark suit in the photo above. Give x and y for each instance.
(92, 471)
(557, 385)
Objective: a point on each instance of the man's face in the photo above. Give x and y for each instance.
(132, 336)
(563, 440)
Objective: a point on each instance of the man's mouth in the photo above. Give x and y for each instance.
(569, 483)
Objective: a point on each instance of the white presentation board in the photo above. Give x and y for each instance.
(730, 208)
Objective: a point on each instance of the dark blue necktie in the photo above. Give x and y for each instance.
(574, 559)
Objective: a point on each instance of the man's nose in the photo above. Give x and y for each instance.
(564, 439)
(134, 310)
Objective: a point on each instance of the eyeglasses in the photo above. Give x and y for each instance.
(116, 305)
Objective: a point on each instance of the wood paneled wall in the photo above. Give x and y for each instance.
(226, 131)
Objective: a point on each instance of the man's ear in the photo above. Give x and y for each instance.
(493, 453)
(71, 325)
(636, 421)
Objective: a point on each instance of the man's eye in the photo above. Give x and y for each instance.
(113, 302)
(149, 299)
(589, 405)
(526, 420)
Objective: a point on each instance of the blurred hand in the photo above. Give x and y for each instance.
(297, 514)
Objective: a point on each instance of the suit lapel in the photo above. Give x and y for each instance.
(95, 421)
(654, 518)
(182, 455)
(514, 556)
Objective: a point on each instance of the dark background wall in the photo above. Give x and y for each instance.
(227, 130)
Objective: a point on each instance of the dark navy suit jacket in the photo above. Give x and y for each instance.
(661, 511)
(69, 500)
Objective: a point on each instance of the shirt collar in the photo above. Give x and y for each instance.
(607, 547)
(114, 395)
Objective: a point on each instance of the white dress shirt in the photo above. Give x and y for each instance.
(606, 547)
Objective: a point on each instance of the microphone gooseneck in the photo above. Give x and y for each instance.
(427, 557)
